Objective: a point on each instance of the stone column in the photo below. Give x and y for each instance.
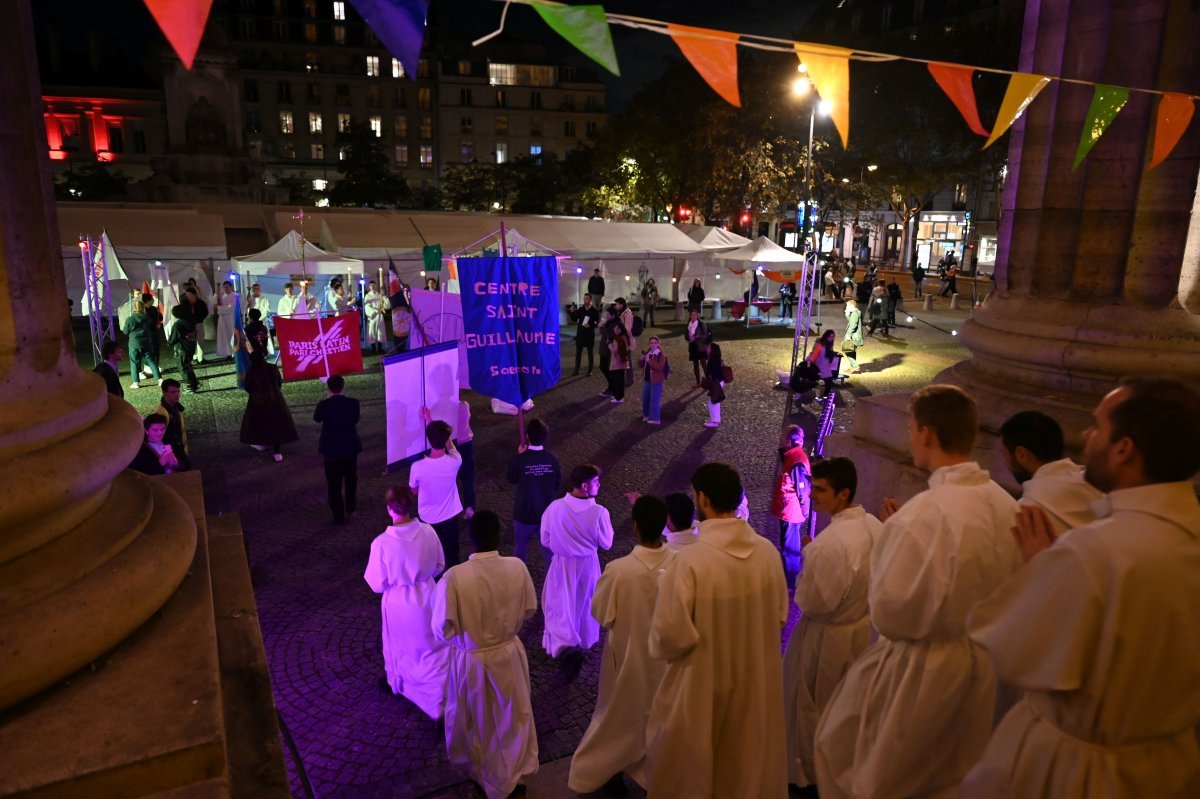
(87, 551)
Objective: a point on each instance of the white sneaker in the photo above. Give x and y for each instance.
(260, 447)
(147, 373)
(134, 385)
(278, 457)
(616, 401)
(712, 424)
(652, 421)
(160, 382)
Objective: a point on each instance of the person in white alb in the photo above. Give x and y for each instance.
(913, 713)
(834, 626)
(479, 607)
(1033, 450)
(434, 479)
(257, 300)
(573, 528)
(1100, 628)
(374, 306)
(615, 741)
(288, 302)
(681, 521)
(716, 724)
(225, 307)
(404, 560)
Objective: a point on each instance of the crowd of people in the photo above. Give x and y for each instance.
(959, 643)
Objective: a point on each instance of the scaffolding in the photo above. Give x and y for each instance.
(97, 294)
(806, 295)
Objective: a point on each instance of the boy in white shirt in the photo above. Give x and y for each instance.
(434, 479)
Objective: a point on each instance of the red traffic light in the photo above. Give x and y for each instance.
(745, 218)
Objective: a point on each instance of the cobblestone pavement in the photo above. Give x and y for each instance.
(321, 622)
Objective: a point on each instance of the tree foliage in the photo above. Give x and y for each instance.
(91, 183)
(367, 179)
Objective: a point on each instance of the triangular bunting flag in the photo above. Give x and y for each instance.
(182, 22)
(400, 25)
(714, 55)
(1174, 115)
(956, 83)
(585, 27)
(1022, 88)
(829, 69)
(1107, 102)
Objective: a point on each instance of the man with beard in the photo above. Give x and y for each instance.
(1100, 628)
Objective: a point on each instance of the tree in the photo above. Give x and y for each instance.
(469, 187)
(93, 183)
(367, 179)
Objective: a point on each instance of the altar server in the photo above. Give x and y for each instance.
(1033, 450)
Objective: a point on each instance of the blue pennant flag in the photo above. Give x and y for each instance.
(510, 323)
(400, 25)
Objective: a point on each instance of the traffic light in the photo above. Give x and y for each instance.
(745, 218)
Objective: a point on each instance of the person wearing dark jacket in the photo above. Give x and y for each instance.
(110, 367)
(586, 320)
(267, 421)
(696, 334)
(141, 327)
(536, 473)
(714, 382)
(596, 287)
(606, 337)
(182, 339)
(339, 445)
(155, 455)
(195, 310)
(695, 297)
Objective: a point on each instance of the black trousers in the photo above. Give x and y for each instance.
(447, 533)
(341, 477)
(580, 347)
(616, 383)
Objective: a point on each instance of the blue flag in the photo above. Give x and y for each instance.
(400, 25)
(510, 323)
(239, 354)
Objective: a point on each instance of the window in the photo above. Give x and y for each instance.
(535, 99)
(139, 140)
(397, 68)
(310, 32)
(318, 152)
(426, 127)
(568, 102)
(312, 62)
(116, 138)
(591, 104)
(501, 98)
(591, 130)
(535, 126)
(423, 68)
(464, 67)
(502, 126)
(313, 93)
(960, 192)
(466, 125)
(289, 149)
(279, 29)
(535, 149)
(424, 99)
(310, 9)
(569, 128)
(342, 90)
(285, 121)
(283, 92)
(253, 122)
(372, 66)
(343, 123)
(521, 75)
(374, 99)
(400, 127)
(467, 152)
(426, 156)
(401, 98)
(246, 28)
(918, 11)
(250, 91)
(339, 34)
(501, 152)
(401, 155)
(464, 97)
(341, 153)
(320, 184)
(339, 11)
(376, 122)
(315, 122)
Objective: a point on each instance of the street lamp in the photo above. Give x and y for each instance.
(801, 88)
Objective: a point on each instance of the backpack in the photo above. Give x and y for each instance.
(638, 327)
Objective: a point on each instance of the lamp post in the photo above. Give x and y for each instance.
(801, 88)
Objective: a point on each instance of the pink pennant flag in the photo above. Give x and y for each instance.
(182, 22)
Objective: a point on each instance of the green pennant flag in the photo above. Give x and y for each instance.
(586, 27)
(1107, 102)
(432, 255)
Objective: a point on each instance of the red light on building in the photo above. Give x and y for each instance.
(105, 157)
(58, 155)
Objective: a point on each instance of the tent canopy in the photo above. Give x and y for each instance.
(715, 239)
(292, 255)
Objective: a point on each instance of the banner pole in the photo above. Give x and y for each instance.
(520, 406)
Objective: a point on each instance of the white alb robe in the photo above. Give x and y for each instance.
(1059, 489)
(716, 723)
(479, 607)
(573, 529)
(624, 603)
(681, 539)
(404, 560)
(374, 304)
(1103, 634)
(287, 306)
(914, 712)
(833, 630)
(226, 310)
(264, 307)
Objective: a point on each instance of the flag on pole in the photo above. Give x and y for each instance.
(240, 356)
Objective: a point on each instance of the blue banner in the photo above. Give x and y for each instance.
(510, 325)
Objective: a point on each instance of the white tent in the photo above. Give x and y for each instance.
(761, 251)
(292, 255)
(715, 239)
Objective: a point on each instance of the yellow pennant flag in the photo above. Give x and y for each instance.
(1022, 88)
(829, 69)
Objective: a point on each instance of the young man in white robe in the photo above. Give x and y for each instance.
(681, 521)
(374, 306)
(404, 561)
(834, 626)
(479, 607)
(574, 528)
(716, 725)
(615, 741)
(1033, 450)
(1100, 627)
(225, 307)
(257, 300)
(288, 303)
(914, 712)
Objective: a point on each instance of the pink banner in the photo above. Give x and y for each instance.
(313, 348)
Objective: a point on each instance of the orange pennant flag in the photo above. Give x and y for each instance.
(956, 83)
(1022, 88)
(714, 56)
(829, 70)
(182, 22)
(1174, 115)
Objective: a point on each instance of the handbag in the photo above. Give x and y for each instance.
(727, 374)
